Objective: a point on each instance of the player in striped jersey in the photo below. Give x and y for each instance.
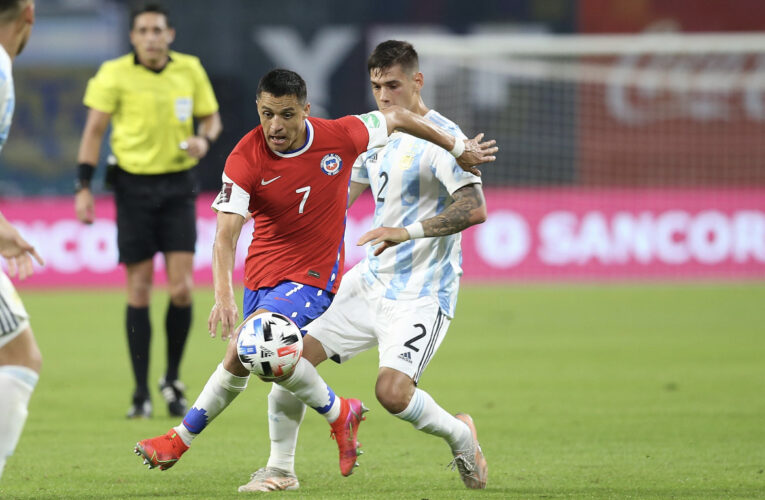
(402, 296)
(20, 358)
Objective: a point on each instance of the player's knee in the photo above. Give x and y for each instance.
(34, 356)
(393, 395)
(22, 351)
(231, 362)
(139, 294)
(35, 359)
(140, 278)
(313, 350)
(180, 294)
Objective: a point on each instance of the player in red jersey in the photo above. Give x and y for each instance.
(297, 200)
(292, 174)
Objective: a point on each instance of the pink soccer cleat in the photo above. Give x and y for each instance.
(344, 431)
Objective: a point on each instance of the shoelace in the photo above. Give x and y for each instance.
(334, 436)
(254, 474)
(262, 474)
(349, 424)
(461, 463)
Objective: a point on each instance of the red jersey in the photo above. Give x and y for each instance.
(298, 199)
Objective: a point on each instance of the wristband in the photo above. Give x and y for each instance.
(84, 176)
(85, 172)
(459, 147)
(415, 230)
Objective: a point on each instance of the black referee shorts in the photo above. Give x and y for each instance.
(155, 213)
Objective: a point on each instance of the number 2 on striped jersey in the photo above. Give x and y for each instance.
(307, 191)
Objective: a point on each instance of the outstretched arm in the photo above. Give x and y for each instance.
(468, 153)
(225, 312)
(468, 209)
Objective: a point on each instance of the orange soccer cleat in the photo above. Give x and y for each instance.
(161, 451)
(344, 431)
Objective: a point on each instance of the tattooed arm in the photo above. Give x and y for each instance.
(469, 208)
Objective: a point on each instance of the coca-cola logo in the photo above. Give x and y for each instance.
(648, 88)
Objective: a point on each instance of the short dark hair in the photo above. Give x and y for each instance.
(392, 52)
(149, 7)
(279, 82)
(10, 9)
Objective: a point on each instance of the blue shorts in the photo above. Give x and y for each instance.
(300, 303)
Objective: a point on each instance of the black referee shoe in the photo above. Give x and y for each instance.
(173, 392)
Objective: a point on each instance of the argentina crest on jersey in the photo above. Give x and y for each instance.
(331, 164)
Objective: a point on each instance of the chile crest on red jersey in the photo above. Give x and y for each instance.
(331, 164)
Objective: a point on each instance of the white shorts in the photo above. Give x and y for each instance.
(13, 317)
(408, 332)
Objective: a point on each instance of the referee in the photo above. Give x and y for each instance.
(151, 97)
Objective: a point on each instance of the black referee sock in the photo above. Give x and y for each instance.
(177, 326)
(139, 337)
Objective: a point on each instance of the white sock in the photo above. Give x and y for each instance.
(425, 415)
(16, 386)
(219, 391)
(308, 386)
(285, 413)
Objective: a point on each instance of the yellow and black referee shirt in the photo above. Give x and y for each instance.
(152, 112)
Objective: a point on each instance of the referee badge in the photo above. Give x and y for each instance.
(331, 164)
(183, 107)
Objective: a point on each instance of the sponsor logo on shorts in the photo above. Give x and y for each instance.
(331, 164)
(406, 356)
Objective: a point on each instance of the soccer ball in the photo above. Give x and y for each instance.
(270, 345)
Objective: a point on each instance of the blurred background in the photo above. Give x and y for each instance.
(621, 157)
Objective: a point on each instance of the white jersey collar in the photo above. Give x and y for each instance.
(305, 147)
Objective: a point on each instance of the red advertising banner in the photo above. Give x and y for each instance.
(544, 234)
(673, 119)
(630, 16)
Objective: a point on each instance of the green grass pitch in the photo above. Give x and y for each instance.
(578, 392)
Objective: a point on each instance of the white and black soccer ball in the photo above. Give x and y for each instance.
(270, 345)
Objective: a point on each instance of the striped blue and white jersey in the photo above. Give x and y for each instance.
(7, 96)
(412, 180)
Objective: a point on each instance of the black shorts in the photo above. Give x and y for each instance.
(155, 213)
